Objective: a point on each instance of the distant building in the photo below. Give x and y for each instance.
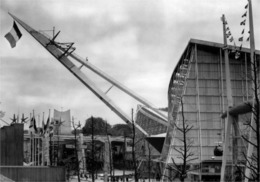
(62, 122)
(56, 147)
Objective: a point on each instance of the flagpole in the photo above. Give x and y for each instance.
(49, 136)
(38, 151)
(53, 157)
(18, 115)
(39, 121)
(43, 120)
(37, 143)
(30, 139)
(35, 150)
(33, 142)
(42, 147)
(229, 103)
(42, 139)
(48, 141)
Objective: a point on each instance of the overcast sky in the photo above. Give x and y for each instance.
(138, 42)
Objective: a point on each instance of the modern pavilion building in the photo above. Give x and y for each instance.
(198, 84)
(198, 88)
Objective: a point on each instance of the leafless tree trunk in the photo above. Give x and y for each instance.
(184, 151)
(149, 161)
(75, 148)
(133, 150)
(253, 161)
(124, 156)
(109, 152)
(92, 151)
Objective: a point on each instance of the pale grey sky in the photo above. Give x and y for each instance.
(138, 42)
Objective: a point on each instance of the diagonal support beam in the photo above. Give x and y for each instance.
(56, 52)
(120, 86)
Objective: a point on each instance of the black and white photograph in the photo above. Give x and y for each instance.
(129, 91)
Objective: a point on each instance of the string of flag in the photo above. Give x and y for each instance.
(42, 131)
(231, 39)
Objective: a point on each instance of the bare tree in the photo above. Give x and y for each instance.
(184, 151)
(253, 161)
(138, 152)
(92, 151)
(109, 151)
(149, 161)
(77, 167)
(134, 158)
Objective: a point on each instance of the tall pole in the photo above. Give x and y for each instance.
(33, 141)
(229, 101)
(93, 166)
(30, 139)
(124, 156)
(50, 152)
(227, 69)
(254, 124)
(42, 140)
(38, 142)
(53, 32)
(133, 148)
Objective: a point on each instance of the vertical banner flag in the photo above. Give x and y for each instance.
(34, 125)
(14, 35)
(46, 127)
(31, 125)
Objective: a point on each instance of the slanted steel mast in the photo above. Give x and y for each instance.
(62, 57)
(119, 85)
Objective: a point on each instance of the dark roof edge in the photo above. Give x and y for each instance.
(218, 45)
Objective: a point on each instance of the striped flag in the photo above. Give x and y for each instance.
(14, 35)
(43, 124)
(46, 127)
(34, 126)
(31, 125)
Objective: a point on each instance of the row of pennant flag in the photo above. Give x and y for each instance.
(43, 130)
(236, 50)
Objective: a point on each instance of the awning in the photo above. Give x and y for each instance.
(156, 141)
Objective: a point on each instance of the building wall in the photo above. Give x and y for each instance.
(149, 121)
(11, 146)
